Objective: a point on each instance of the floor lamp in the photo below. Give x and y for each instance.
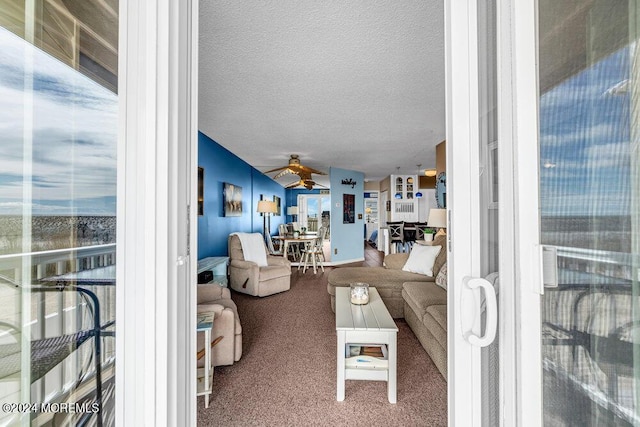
(266, 208)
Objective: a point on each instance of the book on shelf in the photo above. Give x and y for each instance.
(372, 350)
(366, 356)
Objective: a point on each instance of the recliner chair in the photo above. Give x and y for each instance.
(247, 277)
(213, 298)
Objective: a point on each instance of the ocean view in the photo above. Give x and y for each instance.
(603, 233)
(56, 232)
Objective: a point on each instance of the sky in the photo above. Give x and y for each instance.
(67, 125)
(584, 142)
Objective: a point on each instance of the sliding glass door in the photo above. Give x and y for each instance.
(568, 214)
(314, 210)
(590, 211)
(59, 120)
(476, 219)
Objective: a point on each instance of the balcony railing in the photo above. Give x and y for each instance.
(590, 332)
(52, 314)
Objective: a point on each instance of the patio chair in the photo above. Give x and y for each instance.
(47, 353)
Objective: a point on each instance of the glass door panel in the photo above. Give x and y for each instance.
(313, 211)
(590, 215)
(59, 121)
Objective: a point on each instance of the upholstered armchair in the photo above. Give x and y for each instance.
(226, 324)
(249, 278)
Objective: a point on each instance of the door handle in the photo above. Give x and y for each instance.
(477, 283)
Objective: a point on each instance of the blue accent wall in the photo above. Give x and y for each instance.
(220, 166)
(346, 238)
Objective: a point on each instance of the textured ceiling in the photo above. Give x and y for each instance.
(348, 84)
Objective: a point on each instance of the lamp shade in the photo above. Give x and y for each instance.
(437, 218)
(292, 210)
(266, 206)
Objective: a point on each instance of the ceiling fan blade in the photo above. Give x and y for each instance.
(309, 170)
(293, 184)
(283, 173)
(276, 169)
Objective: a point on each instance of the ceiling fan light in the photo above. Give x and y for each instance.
(430, 172)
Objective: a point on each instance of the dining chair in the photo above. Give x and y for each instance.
(420, 226)
(409, 231)
(271, 247)
(314, 253)
(396, 234)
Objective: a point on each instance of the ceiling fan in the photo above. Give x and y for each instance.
(304, 172)
(306, 183)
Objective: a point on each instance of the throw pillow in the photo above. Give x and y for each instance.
(441, 278)
(421, 259)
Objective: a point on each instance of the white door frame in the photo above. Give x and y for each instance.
(157, 152)
(520, 369)
(524, 131)
(464, 388)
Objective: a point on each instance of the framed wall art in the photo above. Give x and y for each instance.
(348, 208)
(200, 191)
(232, 199)
(278, 202)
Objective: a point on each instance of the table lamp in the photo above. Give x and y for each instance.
(438, 219)
(292, 211)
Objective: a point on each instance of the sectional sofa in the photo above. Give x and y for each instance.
(415, 297)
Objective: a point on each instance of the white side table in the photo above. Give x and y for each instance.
(218, 266)
(204, 376)
(365, 324)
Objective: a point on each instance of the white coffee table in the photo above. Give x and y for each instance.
(365, 324)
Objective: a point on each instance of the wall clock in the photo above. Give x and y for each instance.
(441, 190)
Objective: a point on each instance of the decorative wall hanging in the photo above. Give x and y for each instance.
(348, 208)
(232, 199)
(441, 190)
(350, 182)
(278, 205)
(200, 191)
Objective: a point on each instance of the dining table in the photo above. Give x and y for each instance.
(289, 239)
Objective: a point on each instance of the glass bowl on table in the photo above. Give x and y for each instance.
(359, 293)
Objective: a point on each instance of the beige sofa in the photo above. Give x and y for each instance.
(425, 311)
(226, 324)
(414, 297)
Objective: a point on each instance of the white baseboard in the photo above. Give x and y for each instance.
(348, 261)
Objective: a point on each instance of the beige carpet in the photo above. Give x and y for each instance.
(287, 374)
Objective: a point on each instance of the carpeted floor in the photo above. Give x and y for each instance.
(287, 374)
